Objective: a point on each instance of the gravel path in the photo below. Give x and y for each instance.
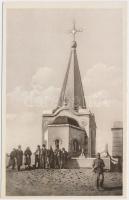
(68, 182)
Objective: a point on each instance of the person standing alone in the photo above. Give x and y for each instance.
(98, 168)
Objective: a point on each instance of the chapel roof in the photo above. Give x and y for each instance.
(65, 120)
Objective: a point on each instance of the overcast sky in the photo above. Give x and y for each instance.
(38, 49)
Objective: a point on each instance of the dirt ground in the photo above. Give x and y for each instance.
(64, 182)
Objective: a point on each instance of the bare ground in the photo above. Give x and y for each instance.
(64, 182)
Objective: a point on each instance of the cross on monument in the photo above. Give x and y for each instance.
(74, 31)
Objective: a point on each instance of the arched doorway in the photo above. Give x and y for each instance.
(57, 143)
(75, 145)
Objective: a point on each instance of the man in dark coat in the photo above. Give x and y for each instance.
(57, 158)
(12, 161)
(64, 156)
(37, 157)
(19, 157)
(27, 155)
(43, 156)
(98, 168)
(51, 158)
(47, 159)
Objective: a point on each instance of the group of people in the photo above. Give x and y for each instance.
(44, 158)
(49, 158)
(16, 156)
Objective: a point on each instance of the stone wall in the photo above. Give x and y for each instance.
(58, 132)
(76, 134)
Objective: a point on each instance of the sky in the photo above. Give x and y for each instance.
(37, 52)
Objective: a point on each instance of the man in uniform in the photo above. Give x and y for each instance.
(43, 156)
(50, 158)
(98, 168)
(64, 156)
(57, 158)
(19, 157)
(12, 158)
(37, 156)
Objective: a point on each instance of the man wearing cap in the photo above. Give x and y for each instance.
(37, 157)
(98, 168)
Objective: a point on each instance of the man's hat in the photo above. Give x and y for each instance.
(44, 145)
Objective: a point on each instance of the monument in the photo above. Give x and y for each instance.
(71, 124)
(117, 139)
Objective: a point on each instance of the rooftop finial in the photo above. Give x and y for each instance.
(74, 30)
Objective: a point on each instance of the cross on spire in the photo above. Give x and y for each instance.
(74, 31)
(72, 94)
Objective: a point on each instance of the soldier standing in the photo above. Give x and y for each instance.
(98, 167)
(27, 155)
(57, 158)
(51, 158)
(12, 158)
(64, 155)
(43, 156)
(48, 159)
(37, 156)
(19, 157)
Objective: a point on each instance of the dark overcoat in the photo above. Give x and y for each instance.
(19, 157)
(27, 155)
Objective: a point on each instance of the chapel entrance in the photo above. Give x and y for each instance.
(75, 146)
(57, 143)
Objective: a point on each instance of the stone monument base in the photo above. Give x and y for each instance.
(82, 162)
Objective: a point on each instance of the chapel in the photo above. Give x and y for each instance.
(71, 124)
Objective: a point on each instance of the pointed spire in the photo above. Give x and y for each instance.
(72, 93)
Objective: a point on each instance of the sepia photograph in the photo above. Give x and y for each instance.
(64, 99)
